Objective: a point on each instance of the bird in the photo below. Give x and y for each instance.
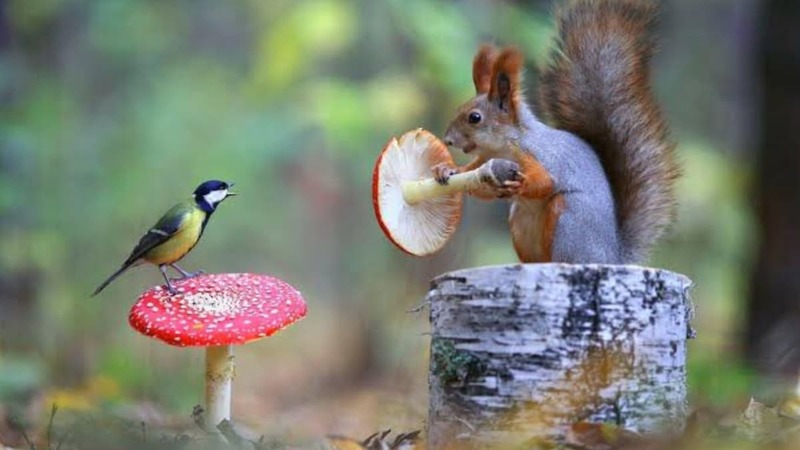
(176, 233)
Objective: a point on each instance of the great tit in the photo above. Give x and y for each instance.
(176, 233)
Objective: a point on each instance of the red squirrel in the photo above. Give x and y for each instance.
(598, 166)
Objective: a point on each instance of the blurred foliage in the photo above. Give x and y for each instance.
(718, 185)
(114, 110)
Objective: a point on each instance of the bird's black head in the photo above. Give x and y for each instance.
(211, 193)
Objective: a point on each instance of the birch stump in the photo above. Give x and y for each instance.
(520, 352)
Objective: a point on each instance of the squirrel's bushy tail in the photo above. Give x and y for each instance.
(596, 85)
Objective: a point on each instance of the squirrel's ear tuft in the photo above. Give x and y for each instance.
(482, 68)
(506, 82)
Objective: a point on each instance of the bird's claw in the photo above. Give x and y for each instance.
(442, 173)
(187, 275)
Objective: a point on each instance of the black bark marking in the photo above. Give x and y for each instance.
(584, 313)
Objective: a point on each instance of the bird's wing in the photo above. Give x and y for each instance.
(169, 224)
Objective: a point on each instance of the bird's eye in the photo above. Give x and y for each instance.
(474, 117)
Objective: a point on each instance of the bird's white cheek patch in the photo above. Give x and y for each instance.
(215, 197)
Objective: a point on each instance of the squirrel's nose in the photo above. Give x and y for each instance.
(448, 138)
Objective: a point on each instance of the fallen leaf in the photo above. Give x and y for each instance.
(377, 441)
(758, 421)
(600, 436)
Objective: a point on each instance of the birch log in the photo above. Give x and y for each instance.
(519, 352)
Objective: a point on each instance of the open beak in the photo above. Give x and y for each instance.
(229, 193)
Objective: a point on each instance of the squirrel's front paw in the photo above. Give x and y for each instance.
(508, 189)
(442, 173)
(505, 180)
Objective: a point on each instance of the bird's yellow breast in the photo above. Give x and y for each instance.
(179, 244)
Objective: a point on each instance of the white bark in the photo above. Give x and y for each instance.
(219, 378)
(521, 351)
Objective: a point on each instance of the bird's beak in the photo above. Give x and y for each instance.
(229, 193)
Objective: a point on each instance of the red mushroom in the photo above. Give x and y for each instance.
(414, 211)
(217, 311)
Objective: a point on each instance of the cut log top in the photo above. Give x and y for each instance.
(590, 299)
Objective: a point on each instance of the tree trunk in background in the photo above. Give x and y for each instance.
(520, 352)
(773, 338)
(19, 283)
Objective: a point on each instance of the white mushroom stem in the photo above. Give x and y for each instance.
(493, 172)
(219, 378)
(797, 387)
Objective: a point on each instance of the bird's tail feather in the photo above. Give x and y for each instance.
(111, 278)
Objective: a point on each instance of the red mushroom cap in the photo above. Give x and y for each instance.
(217, 309)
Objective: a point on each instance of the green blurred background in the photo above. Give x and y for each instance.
(113, 110)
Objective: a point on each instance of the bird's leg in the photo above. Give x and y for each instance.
(163, 269)
(186, 274)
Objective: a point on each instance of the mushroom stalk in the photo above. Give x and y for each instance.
(797, 387)
(493, 172)
(219, 378)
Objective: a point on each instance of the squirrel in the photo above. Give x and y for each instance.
(597, 183)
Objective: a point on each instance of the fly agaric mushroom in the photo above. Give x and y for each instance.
(217, 311)
(415, 212)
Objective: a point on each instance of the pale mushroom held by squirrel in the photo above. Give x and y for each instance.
(417, 212)
(217, 312)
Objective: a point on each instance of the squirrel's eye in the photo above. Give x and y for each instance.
(474, 117)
